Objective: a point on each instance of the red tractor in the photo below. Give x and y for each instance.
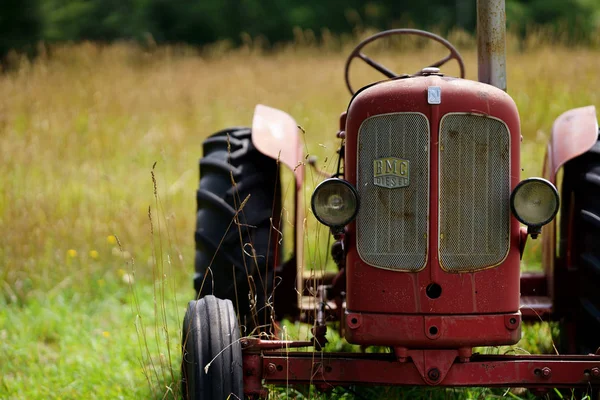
(429, 219)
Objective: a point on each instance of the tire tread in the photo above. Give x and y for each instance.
(211, 335)
(230, 154)
(582, 183)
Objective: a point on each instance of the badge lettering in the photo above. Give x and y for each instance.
(391, 172)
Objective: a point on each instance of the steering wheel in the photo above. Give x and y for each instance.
(357, 53)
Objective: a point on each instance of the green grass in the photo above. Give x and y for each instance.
(80, 130)
(98, 336)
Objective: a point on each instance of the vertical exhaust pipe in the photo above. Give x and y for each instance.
(491, 42)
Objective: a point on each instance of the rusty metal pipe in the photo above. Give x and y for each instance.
(491, 42)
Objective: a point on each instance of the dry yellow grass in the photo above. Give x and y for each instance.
(81, 128)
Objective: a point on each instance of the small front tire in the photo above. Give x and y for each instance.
(211, 352)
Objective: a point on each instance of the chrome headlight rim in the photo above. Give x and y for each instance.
(524, 182)
(352, 190)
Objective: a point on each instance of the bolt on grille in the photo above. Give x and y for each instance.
(392, 222)
(474, 192)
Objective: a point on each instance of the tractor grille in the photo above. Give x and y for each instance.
(392, 222)
(474, 192)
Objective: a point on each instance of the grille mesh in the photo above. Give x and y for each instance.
(474, 192)
(391, 225)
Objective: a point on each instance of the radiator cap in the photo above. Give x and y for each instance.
(430, 71)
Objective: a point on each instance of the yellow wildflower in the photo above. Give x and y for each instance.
(94, 254)
(72, 253)
(111, 239)
(106, 334)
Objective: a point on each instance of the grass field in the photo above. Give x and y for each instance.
(95, 268)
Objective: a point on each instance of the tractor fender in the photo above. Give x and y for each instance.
(573, 133)
(275, 134)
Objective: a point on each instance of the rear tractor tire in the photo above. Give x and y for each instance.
(238, 203)
(581, 193)
(211, 363)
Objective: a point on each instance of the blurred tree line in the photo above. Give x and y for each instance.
(25, 22)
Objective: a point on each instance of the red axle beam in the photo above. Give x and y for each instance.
(333, 369)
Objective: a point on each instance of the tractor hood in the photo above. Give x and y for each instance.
(434, 160)
(420, 93)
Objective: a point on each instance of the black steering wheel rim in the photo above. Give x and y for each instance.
(356, 53)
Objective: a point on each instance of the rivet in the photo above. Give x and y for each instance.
(433, 374)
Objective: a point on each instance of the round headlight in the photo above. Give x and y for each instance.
(534, 201)
(334, 202)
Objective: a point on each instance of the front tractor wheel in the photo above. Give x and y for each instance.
(211, 363)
